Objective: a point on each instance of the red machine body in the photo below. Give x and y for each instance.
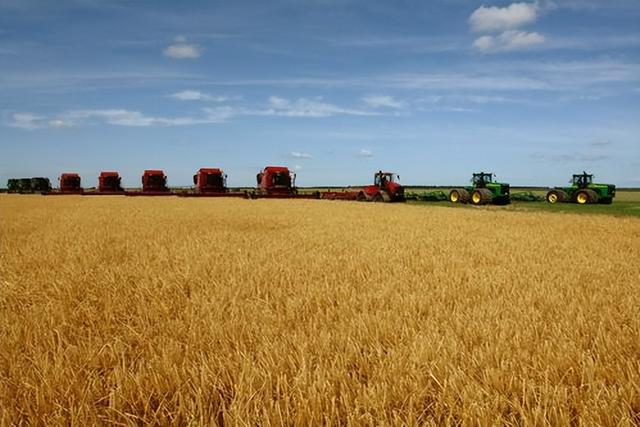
(211, 182)
(109, 182)
(276, 181)
(70, 183)
(154, 183)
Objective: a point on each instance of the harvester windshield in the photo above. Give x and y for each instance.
(282, 179)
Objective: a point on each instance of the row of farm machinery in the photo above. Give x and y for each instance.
(279, 182)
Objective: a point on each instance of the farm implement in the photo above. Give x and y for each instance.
(583, 191)
(29, 185)
(154, 183)
(277, 182)
(482, 191)
(211, 182)
(70, 183)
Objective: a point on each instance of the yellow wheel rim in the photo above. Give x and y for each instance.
(553, 198)
(582, 198)
(476, 198)
(454, 197)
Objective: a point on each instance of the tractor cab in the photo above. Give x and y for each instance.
(480, 180)
(582, 180)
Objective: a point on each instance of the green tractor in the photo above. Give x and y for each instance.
(40, 185)
(13, 185)
(583, 191)
(484, 190)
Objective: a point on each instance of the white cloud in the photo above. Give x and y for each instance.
(195, 95)
(384, 101)
(59, 123)
(298, 167)
(299, 155)
(303, 107)
(503, 18)
(508, 41)
(181, 49)
(28, 121)
(365, 152)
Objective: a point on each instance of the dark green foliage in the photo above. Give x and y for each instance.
(526, 196)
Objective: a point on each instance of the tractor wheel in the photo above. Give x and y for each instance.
(556, 196)
(481, 196)
(586, 196)
(459, 195)
(378, 198)
(362, 197)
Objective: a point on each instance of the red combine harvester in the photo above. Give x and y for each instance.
(154, 183)
(211, 182)
(108, 184)
(69, 184)
(277, 182)
(385, 188)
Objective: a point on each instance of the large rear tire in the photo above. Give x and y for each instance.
(556, 196)
(586, 196)
(481, 196)
(459, 195)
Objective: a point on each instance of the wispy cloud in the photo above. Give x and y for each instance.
(508, 41)
(195, 95)
(365, 152)
(299, 155)
(303, 107)
(382, 101)
(181, 49)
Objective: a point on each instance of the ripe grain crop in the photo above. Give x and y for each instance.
(131, 311)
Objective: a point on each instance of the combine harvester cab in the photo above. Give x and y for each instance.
(109, 184)
(211, 182)
(70, 183)
(154, 183)
(583, 191)
(277, 182)
(483, 191)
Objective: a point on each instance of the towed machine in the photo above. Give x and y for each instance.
(211, 182)
(484, 189)
(583, 191)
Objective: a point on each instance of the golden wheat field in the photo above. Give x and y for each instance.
(131, 311)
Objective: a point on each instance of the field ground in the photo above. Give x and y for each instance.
(304, 312)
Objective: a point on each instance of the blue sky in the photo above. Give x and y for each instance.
(433, 90)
